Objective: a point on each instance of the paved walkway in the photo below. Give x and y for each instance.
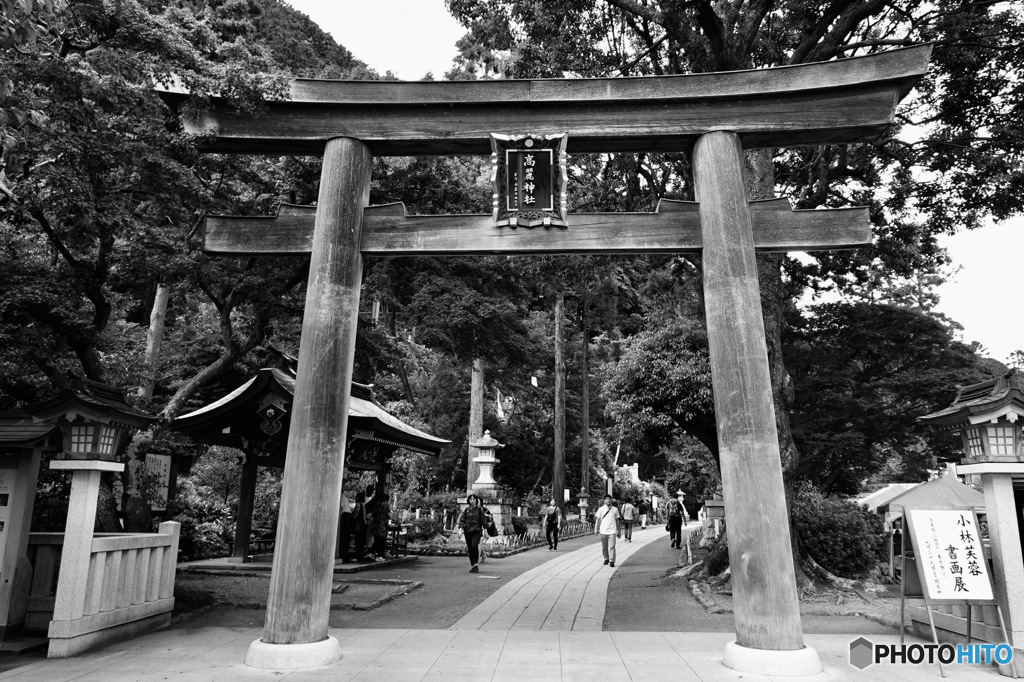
(543, 625)
(208, 654)
(568, 592)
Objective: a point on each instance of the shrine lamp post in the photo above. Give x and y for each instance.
(94, 420)
(989, 416)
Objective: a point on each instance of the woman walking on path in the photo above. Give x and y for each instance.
(473, 521)
(552, 524)
(628, 517)
(675, 521)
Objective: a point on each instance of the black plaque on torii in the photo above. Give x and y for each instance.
(529, 175)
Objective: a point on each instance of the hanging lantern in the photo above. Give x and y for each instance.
(94, 420)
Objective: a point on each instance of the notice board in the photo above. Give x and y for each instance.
(949, 557)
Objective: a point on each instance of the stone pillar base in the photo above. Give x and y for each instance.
(292, 656)
(772, 662)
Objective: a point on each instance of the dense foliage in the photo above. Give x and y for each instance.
(840, 535)
(101, 197)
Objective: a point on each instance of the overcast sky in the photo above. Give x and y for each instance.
(413, 37)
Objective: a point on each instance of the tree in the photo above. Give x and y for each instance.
(862, 376)
(99, 200)
(660, 388)
(916, 189)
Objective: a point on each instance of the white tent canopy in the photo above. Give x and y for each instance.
(941, 493)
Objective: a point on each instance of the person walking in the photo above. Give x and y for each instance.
(606, 523)
(381, 521)
(474, 521)
(643, 513)
(628, 518)
(344, 529)
(359, 526)
(552, 524)
(370, 516)
(675, 521)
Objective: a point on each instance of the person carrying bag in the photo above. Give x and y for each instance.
(473, 521)
(552, 524)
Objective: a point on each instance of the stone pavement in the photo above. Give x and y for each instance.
(568, 592)
(207, 654)
(543, 625)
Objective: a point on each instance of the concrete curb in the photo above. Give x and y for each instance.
(705, 599)
(189, 615)
(888, 622)
(368, 606)
(361, 606)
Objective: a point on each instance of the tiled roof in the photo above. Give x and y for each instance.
(361, 406)
(977, 398)
(19, 429)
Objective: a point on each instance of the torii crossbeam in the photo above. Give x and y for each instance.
(714, 115)
(673, 228)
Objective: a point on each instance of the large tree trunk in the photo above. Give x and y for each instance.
(106, 508)
(585, 408)
(558, 471)
(154, 340)
(476, 422)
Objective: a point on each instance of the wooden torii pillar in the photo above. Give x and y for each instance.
(717, 115)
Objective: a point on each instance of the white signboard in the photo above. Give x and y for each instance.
(950, 561)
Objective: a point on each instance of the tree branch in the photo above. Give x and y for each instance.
(51, 234)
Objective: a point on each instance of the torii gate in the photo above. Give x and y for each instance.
(717, 115)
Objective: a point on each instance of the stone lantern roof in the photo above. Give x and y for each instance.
(981, 402)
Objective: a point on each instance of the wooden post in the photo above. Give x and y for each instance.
(558, 471)
(300, 584)
(766, 607)
(476, 421)
(246, 498)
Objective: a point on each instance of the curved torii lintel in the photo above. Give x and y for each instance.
(842, 101)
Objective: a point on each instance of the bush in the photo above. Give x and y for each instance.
(200, 540)
(840, 535)
(519, 525)
(207, 524)
(439, 503)
(424, 529)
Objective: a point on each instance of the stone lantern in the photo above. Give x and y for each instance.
(486, 460)
(988, 415)
(485, 486)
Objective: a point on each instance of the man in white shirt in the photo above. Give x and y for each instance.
(606, 523)
(628, 518)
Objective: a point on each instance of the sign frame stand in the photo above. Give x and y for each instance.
(910, 548)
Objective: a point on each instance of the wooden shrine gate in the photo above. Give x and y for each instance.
(715, 115)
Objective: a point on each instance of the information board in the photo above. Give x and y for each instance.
(949, 557)
(8, 477)
(160, 467)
